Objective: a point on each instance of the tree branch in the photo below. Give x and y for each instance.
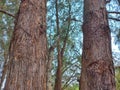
(7, 13)
(68, 80)
(67, 33)
(119, 2)
(108, 1)
(66, 68)
(113, 12)
(116, 19)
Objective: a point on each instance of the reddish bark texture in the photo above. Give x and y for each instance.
(97, 65)
(28, 50)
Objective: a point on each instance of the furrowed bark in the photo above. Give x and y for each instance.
(97, 65)
(28, 48)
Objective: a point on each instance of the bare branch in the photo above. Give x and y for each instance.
(116, 19)
(68, 80)
(67, 33)
(66, 68)
(108, 1)
(7, 13)
(113, 12)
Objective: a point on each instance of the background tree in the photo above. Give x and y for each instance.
(97, 65)
(66, 37)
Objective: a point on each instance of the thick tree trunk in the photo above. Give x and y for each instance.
(97, 65)
(28, 50)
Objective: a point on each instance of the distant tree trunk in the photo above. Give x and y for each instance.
(61, 48)
(59, 57)
(28, 49)
(49, 68)
(58, 74)
(97, 65)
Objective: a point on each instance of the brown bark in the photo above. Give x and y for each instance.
(58, 74)
(28, 50)
(49, 68)
(59, 68)
(97, 65)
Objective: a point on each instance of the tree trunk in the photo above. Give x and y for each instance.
(59, 57)
(61, 49)
(28, 49)
(58, 80)
(49, 68)
(97, 65)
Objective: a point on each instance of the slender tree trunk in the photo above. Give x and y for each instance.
(59, 58)
(97, 65)
(28, 49)
(58, 74)
(49, 68)
(61, 49)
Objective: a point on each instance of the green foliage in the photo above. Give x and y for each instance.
(117, 76)
(73, 87)
(7, 23)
